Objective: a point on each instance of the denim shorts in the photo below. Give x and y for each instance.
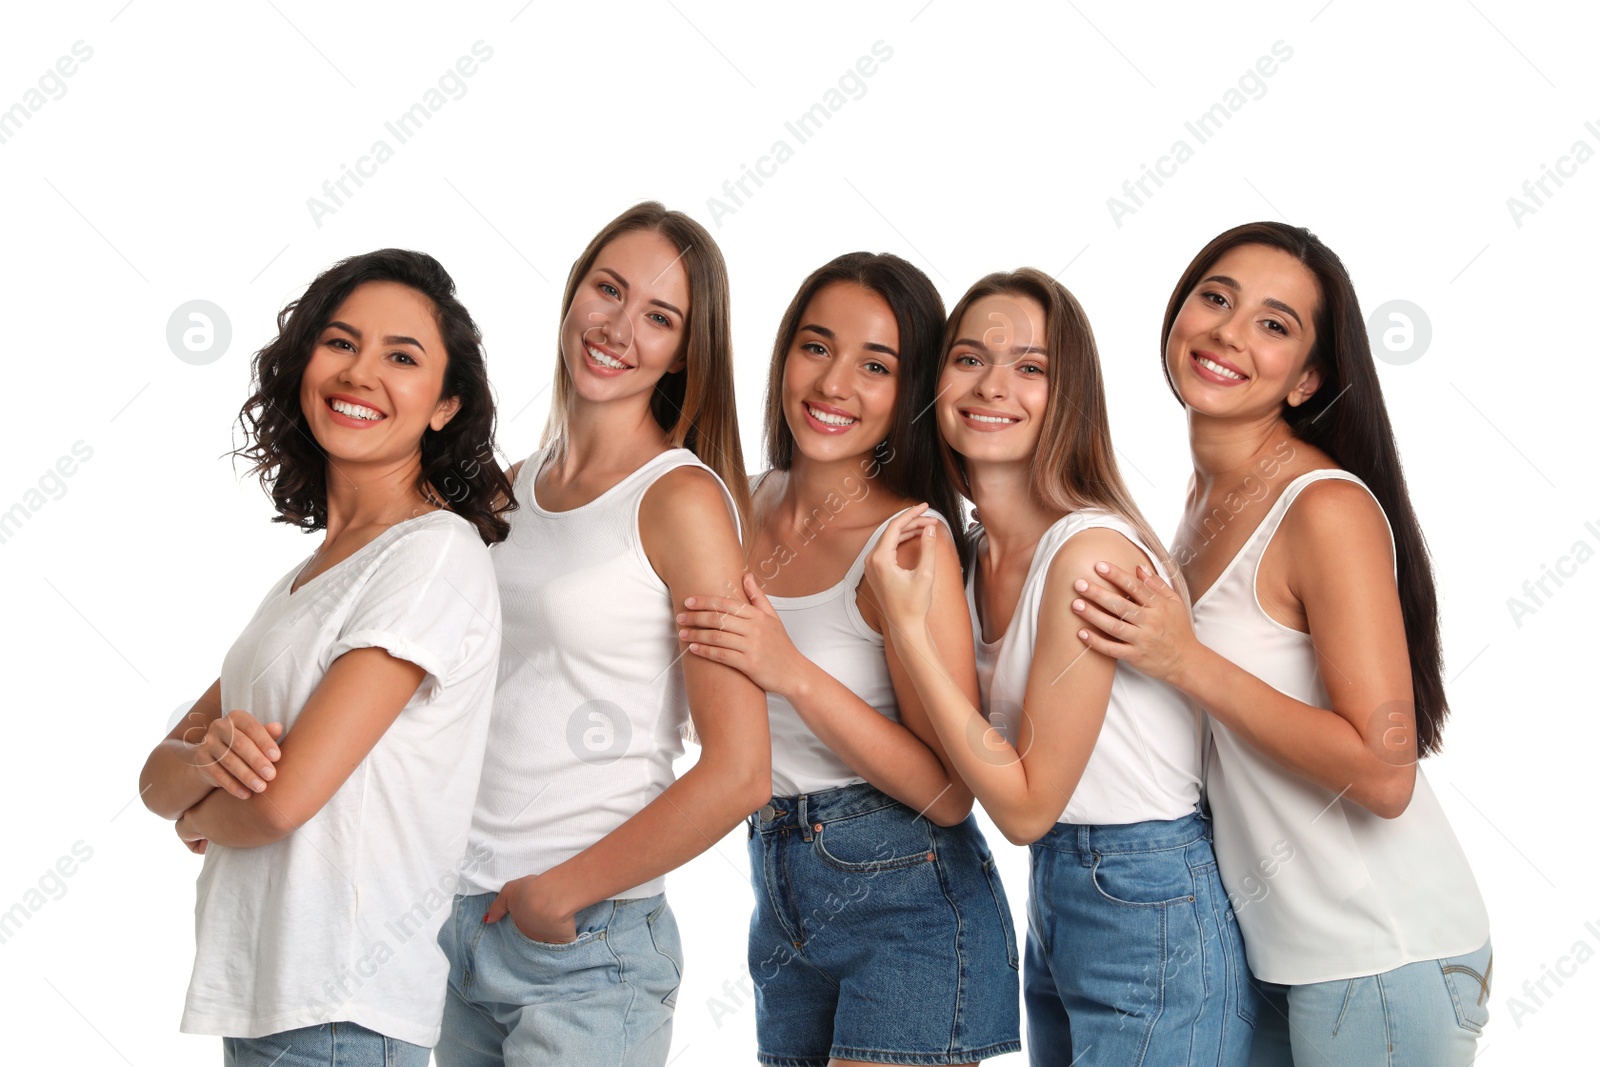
(1426, 1014)
(328, 1045)
(603, 1000)
(877, 935)
(1134, 957)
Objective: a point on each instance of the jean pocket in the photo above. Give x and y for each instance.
(664, 939)
(998, 893)
(1469, 978)
(1156, 879)
(591, 922)
(868, 845)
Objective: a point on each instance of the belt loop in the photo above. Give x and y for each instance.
(802, 818)
(1085, 848)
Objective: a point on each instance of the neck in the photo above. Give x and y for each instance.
(362, 495)
(611, 435)
(820, 485)
(1225, 451)
(1013, 521)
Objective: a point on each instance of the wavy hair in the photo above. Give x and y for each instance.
(457, 462)
(908, 459)
(1355, 431)
(694, 406)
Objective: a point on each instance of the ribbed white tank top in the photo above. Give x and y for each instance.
(1323, 888)
(827, 628)
(1146, 761)
(589, 702)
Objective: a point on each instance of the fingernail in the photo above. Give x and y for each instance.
(258, 785)
(680, 618)
(1081, 586)
(1077, 605)
(273, 753)
(683, 633)
(267, 772)
(1083, 635)
(689, 603)
(1103, 568)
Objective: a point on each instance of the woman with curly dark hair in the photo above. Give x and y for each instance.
(328, 775)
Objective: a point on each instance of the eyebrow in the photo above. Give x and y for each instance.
(392, 339)
(1271, 302)
(870, 346)
(658, 303)
(1016, 350)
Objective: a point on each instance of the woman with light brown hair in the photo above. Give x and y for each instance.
(562, 948)
(1132, 956)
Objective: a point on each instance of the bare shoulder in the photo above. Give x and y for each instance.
(1333, 516)
(685, 504)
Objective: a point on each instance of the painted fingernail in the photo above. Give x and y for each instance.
(1077, 605)
(1081, 586)
(1103, 568)
(1083, 635)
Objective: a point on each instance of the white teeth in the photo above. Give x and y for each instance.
(988, 418)
(355, 411)
(605, 360)
(1218, 368)
(829, 419)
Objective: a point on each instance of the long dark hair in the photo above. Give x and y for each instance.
(908, 459)
(458, 462)
(1355, 430)
(694, 406)
(1075, 465)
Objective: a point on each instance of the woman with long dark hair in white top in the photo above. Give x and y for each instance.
(1314, 646)
(881, 933)
(562, 947)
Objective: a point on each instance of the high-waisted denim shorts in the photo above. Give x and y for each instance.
(877, 935)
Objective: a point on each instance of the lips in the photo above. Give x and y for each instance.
(988, 420)
(354, 411)
(1214, 368)
(824, 418)
(599, 357)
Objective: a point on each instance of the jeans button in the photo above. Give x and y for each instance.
(767, 812)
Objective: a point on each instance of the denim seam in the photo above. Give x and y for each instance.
(1344, 1005)
(894, 863)
(1094, 880)
(961, 959)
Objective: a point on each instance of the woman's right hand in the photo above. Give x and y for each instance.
(234, 752)
(905, 595)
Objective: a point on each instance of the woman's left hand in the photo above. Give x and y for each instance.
(533, 910)
(747, 637)
(190, 837)
(1137, 619)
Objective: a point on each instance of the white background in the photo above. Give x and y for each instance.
(178, 162)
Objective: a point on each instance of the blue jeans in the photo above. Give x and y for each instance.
(1134, 958)
(328, 1045)
(604, 1000)
(1426, 1014)
(877, 935)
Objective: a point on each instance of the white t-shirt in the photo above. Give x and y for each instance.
(590, 704)
(337, 921)
(1146, 762)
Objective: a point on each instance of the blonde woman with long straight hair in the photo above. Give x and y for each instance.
(562, 948)
(1133, 957)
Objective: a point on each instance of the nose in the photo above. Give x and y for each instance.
(1226, 330)
(362, 370)
(612, 327)
(835, 379)
(992, 382)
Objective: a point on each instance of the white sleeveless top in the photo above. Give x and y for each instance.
(590, 700)
(827, 628)
(1323, 888)
(1146, 761)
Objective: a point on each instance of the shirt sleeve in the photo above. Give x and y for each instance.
(430, 599)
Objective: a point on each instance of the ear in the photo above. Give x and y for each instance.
(679, 364)
(444, 413)
(1310, 381)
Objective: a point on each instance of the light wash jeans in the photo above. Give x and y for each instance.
(1426, 1014)
(328, 1045)
(1134, 957)
(604, 999)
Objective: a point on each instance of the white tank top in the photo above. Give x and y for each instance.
(1323, 888)
(827, 628)
(589, 702)
(1146, 762)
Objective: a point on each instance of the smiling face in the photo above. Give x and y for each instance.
(1242, 340)
(628, 321)
(994, 390)
(372, 385)
(842, 372)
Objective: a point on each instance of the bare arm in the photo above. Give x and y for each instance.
(1024, 784)
(691, 541)
(1339, 567)
(208, 751)
(358, 699)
